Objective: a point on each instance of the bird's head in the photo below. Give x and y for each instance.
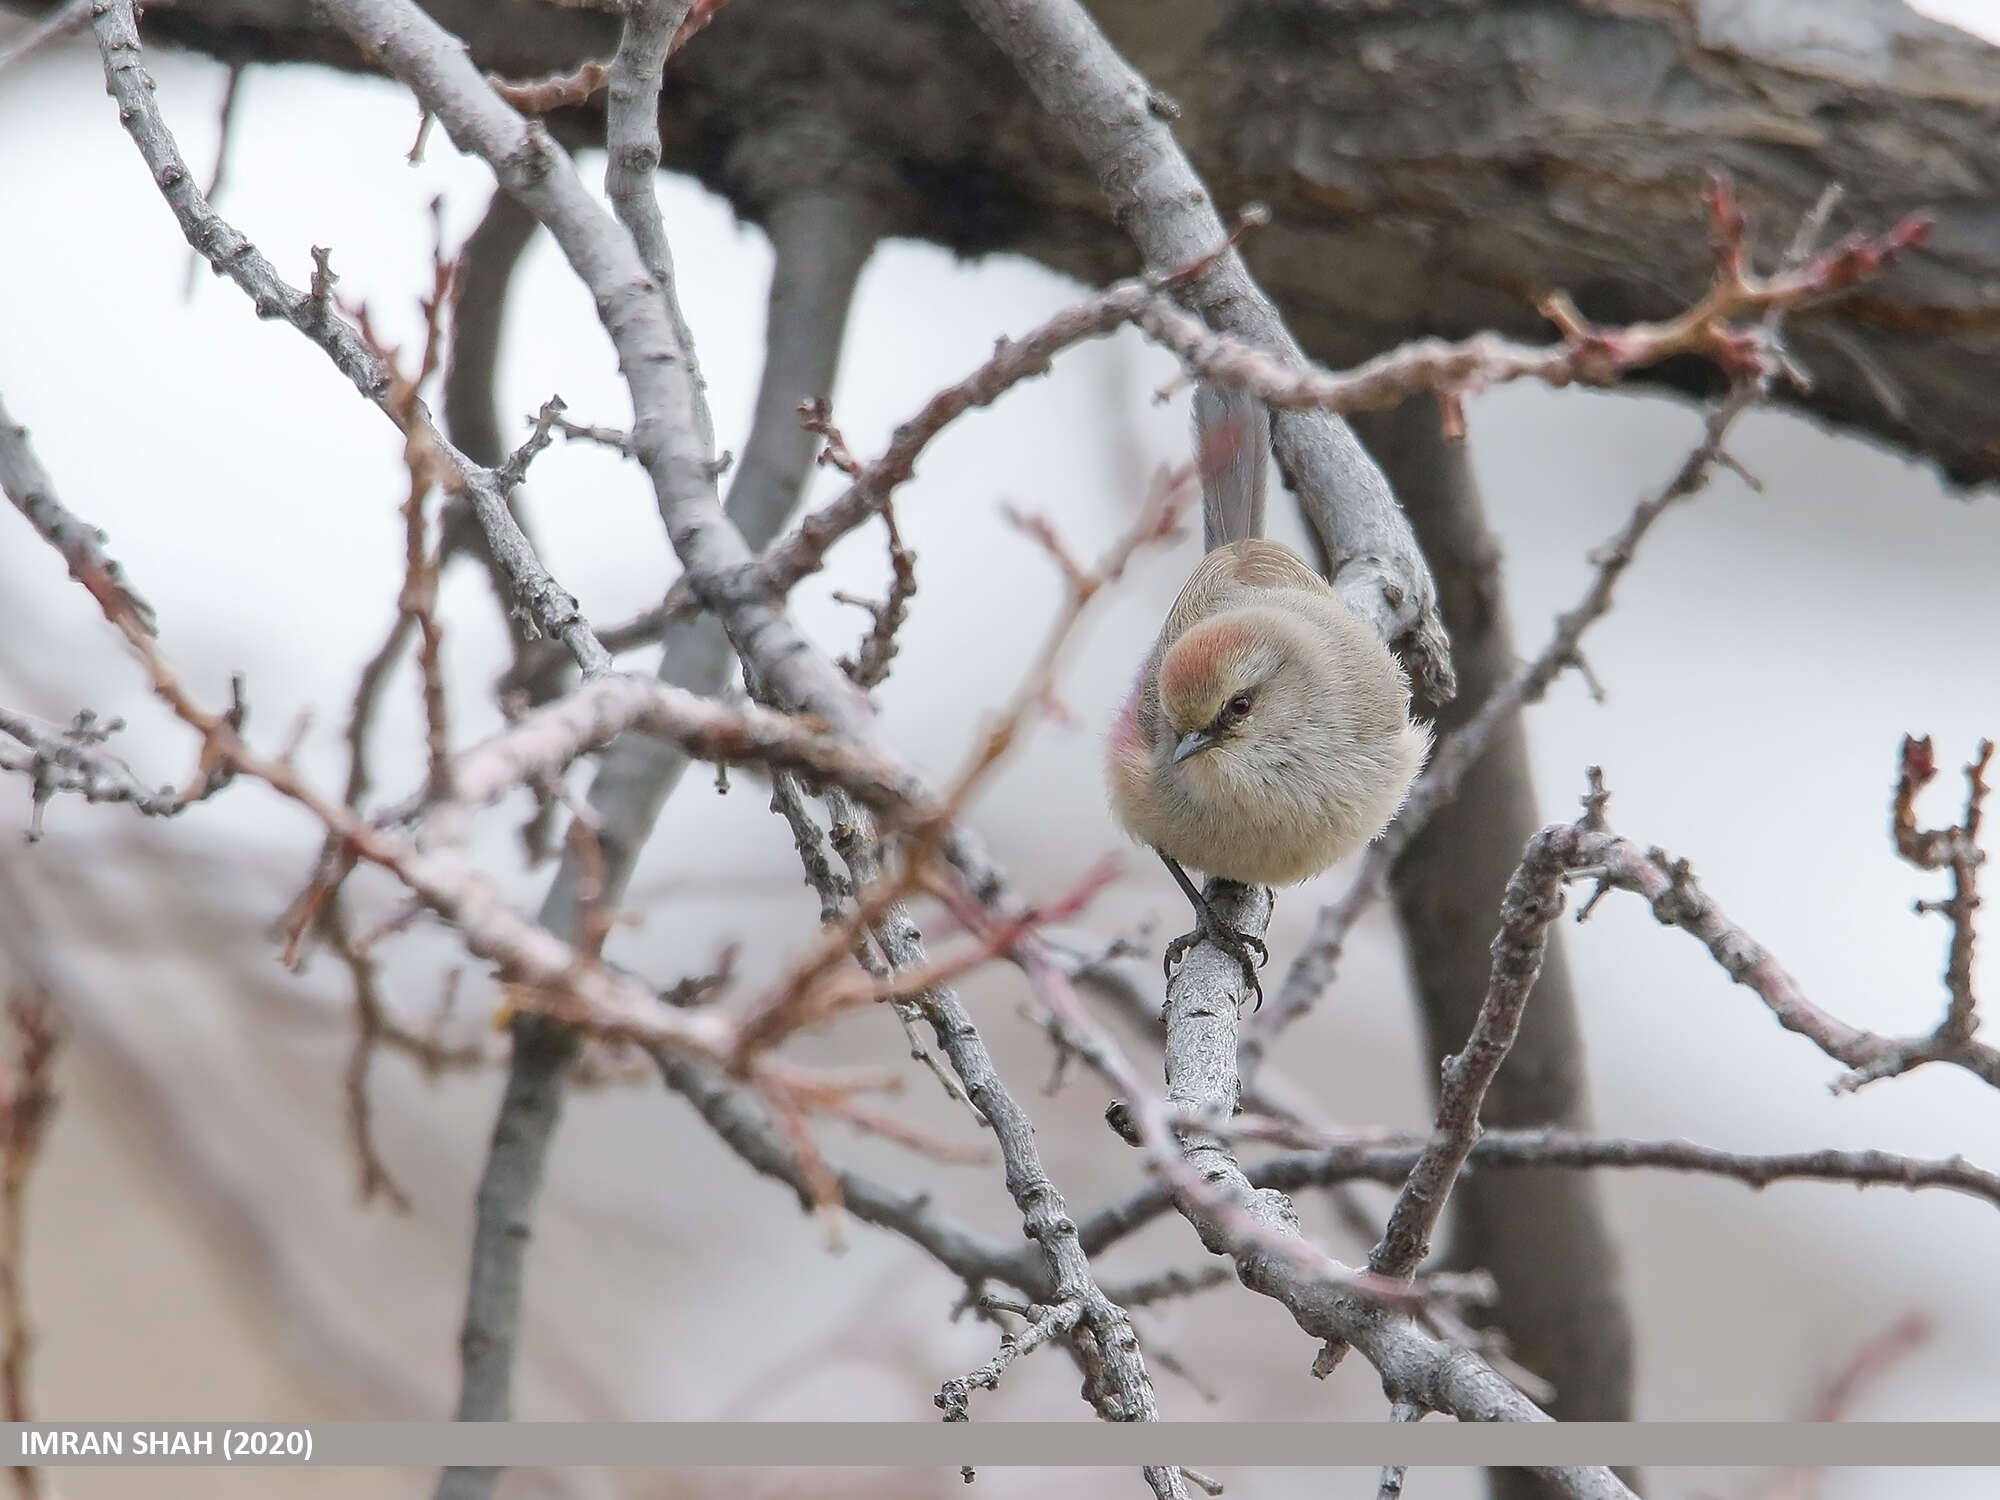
(1219, 681)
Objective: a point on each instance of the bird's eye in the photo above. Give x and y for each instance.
(1239, 706)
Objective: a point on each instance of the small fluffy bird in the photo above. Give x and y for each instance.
(1269, 733)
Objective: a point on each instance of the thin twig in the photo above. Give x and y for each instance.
(1957, 849)
(553, 610)
(72, 759)
(1044, 1323)
(1736, 292)
(28, 485)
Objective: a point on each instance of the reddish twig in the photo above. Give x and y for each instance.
(542, 96)
(81, 546)
(1873, 1360)
(869, 666)
(698, 16)
(1312, 971)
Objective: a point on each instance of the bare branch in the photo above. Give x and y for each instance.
(1111, 113)
(1533, 901)
(604, 437)
(1755, 354)
(699, 14)
(1116, 1380)
(735, 1115)
(798, 555)
(1955, 848)
(1203, 1001)
(225, 131)
(1389, 1159)
(1498, 1150)
(553, 610)
(1044, 1323)
(1667, 884)
(869, 666)
(835, 892)
(1170, 1284)
(551, 737)
(1587, 354)
(632, 155)
(28, 485)
(821, 239)
(72, 759)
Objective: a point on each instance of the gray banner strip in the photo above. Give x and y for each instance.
(998, 1444)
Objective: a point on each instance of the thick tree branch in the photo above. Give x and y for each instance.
(548, 739)
(821, 239)
(1393, 219)
(1117, 121)
(670, 417)
(1203, 1002)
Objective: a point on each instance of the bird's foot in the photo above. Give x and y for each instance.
(1247, 950)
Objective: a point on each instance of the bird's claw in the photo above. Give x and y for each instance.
(1247, 950)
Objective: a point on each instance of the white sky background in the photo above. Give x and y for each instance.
(1766, 655)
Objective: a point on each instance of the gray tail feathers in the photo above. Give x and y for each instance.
(1232, 444)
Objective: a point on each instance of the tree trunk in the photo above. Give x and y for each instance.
(1541, 1233)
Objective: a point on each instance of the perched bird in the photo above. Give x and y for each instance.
(1269, 733)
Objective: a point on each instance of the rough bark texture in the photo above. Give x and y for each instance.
(1432, 166)
(1541, 1233)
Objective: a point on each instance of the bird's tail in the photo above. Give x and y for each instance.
(1232, 444)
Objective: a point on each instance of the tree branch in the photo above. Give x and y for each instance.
(1116, 120)
(1532, 902)
(553, 609)
(1116, 1380)
(1543, 1236)
(29, 487)
(821, 241)
(1509, 1150)
(1753, 354)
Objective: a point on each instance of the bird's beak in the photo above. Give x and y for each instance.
(1193, 743)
